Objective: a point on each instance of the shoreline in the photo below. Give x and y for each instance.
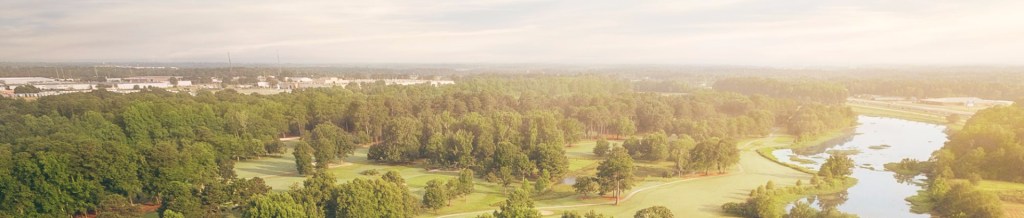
(766, 152)
(868, 110)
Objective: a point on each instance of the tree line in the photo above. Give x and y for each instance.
(809, 90)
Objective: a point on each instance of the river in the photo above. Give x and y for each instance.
(878, 193)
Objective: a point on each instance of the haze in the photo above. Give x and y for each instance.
(650, 32)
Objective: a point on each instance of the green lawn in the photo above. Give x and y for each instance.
(687, 197)
(998, 186)
(908, 115)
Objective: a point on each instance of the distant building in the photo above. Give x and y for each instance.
(64, 86)
(148, 79)
(298, 79)
(25, 80)
(162, 85)
(184, 83)
(334, 81)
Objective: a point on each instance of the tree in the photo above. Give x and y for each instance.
(171, 214)
(116, 206)
(181, 197)
(963, 200)
(330, 142)
(466, 181)
(452, 188)
(573, 130)
(802, 209)
(571, 214)
(392, 176)
(303, 158)
(714, 153)
(401, 143)
(527, 186)
(373, 198)
(591, 214)
(656, 146)
(728, 154)
(517, 205)
(616, 172)
(274, 205)
(838, 166)
(601, 148)
(551, 159)
(586, 185)
(436, 195)
(654, 212)
(543, 183)
(26, 89)
(245, 189)
(625, 127)
(276, 147)
(953, 118)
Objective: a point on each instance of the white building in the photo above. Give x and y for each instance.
(143, 85)
(25, 80)
(298, 79)
(65, 86)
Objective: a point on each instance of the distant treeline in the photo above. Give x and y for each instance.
(812, 90)
(1010, 87)
(100, 72)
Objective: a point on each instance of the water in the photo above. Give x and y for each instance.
(878, 193)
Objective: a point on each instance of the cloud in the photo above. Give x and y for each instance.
(740, 32)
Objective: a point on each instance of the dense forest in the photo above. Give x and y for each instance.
(990, 146)
(813, 91)
(86, 152)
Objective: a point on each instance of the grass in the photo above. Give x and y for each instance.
(704, 194)
(843, 152)
(825, 137)
(902, 114)
(1007, 191)
(789, 142)
(879, 147)
(279, 173)
(997, 186)
(797, 159)
(794, 193)
(767, 154)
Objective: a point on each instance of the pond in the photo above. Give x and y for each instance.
(875, 142)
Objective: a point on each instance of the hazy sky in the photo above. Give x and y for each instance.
(731, 32)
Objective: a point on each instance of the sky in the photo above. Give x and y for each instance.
(686, 32)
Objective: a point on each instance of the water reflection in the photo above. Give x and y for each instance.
(878, 193)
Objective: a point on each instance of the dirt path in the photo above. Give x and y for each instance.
(694, 197)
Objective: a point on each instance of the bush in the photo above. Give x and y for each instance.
(370, 172)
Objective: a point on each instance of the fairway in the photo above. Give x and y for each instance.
(686, 197)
